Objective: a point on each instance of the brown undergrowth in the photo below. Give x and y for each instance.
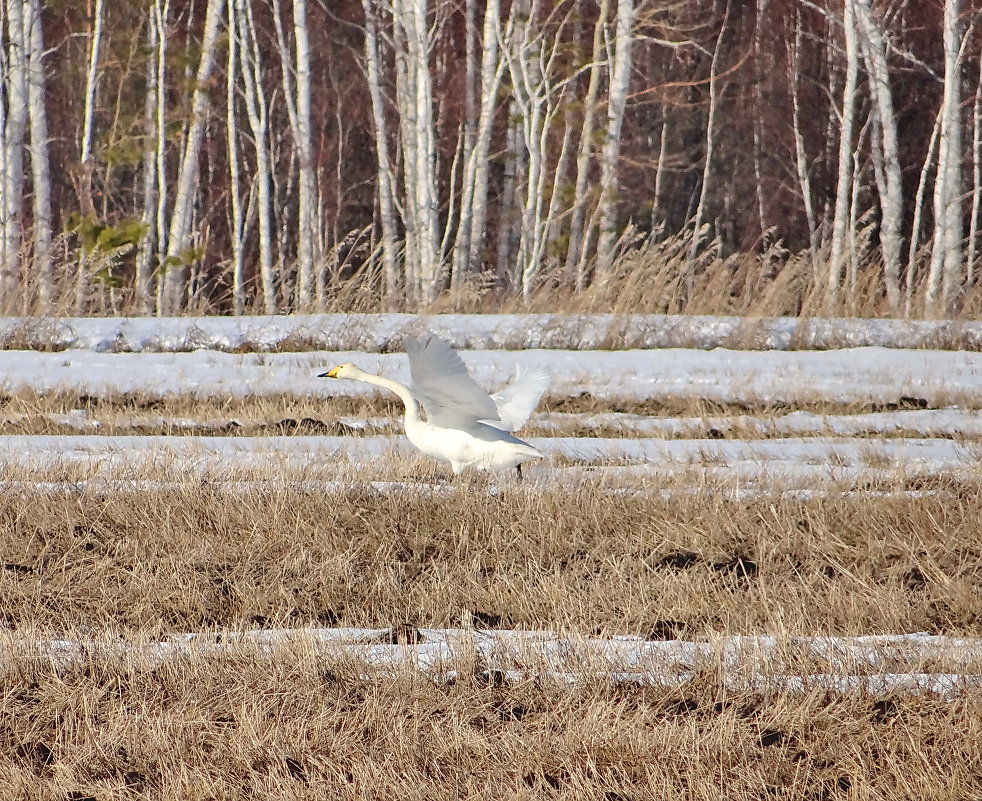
(304, 730)
(296, 725)
(195, 556)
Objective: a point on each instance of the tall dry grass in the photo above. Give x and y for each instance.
(296, 724)
(300, 728)
(650, 273)
(195, 556)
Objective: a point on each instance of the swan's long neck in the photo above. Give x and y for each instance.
(410, 402)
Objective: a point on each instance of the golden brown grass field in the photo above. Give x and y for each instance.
(196, 554)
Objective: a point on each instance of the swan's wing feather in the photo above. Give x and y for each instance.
(443, 385)
(518, 400)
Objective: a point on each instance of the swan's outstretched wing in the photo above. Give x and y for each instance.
(452, 398)
(518, 400)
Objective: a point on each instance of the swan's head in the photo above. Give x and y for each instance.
(346, 370)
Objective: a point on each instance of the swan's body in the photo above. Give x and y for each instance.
(465, 426)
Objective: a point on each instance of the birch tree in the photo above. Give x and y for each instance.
(161, 12)
(973, 217)
(620, 79)
(708, 158)
(943, 278)
(840, 222)
(256, 105)
(40, 168)
(414, 96)
(235, 197)
(891, 194)
(296, 87)
(179, 235)
(385, 174)
(530, 48)
(801, 157)
(152, 140)
(14, 125)
(474, 188)
(580, 192)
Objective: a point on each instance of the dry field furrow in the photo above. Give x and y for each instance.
(300, 728)
(295, 724)
(191, 557)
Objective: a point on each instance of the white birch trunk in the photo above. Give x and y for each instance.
(467, 254)
(708, 163)
(973, 219)
(422, 194)
(307, 201)
(151, 108)
(386, 177)
(581, 189)
(915, 228)
(891, 195)
(40, 168)
(620, 79)
(761, 9)
(257, 113)
(179, 235)
(801, 158)
(943, 279)
(161, 13)
(840, 221)
(235, 198)
(14, 128)
(459, 266)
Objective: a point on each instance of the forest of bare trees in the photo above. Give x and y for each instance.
(238, 156)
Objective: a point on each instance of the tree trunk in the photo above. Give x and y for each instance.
(14, 127)
(412, 17)
(257, 114)
(386, 178)
(179, 237)
(801, 158)
(891, 197)
(307, 208)
(973, 219)
(620, 79)
(708, 163)
(237, 232)
(40, 170)
(946, 251)
(467, 253)
(581, 190)
(840, 222)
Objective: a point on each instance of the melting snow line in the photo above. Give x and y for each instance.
(868, 665)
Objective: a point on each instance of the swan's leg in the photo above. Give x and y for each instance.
(518, 468)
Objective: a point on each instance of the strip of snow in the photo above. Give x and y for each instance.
(868, 665)
(856, 376)
(914, 423)
(825, 453)
(385, 332)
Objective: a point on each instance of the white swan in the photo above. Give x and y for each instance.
(464, 425)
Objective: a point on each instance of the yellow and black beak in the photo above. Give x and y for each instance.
(332, 373)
